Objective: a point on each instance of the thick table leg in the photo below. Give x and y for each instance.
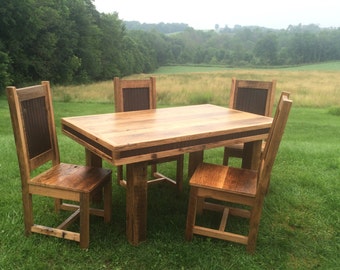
(251, 155)
(136, 202)
(94, 161)
(195, 158)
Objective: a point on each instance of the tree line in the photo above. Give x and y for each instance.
(69, 41)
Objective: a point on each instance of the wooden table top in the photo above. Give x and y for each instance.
(130, 137)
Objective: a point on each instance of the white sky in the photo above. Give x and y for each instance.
(205, 14)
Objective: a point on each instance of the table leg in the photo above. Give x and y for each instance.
(94, 161)
(251, 155)
(195, 158)
(136, 202)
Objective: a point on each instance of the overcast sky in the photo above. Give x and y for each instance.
(206, 14)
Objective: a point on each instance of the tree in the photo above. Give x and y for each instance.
(266, 49)
(304, 47)
(111, 44)
(5, 78)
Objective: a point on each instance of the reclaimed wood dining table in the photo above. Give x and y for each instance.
(136, 138)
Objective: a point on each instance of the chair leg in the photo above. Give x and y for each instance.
(57, 205)
(254, 224)
(153, 170)
(225, 157)
(191, 216)
(84, 220)
(179, 173)
(108, 201)
(28, 212)
(200, 205)
(119, 174)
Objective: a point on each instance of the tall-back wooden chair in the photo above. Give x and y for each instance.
(134, 95)
(250, 96)
(234, 187)
(36, 143)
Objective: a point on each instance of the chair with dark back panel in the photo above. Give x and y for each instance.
(235, 191)
(71, 186)
(133, 95)
(250, 96)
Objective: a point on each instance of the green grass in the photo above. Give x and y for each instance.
(299, 228)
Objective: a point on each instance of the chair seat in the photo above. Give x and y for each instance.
(71, 177)
(223, 178)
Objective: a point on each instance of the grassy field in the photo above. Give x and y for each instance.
(311, 86)
(300, 223)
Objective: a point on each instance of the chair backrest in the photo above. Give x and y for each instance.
(33, 126)
(134, 95)
(273, 141)
(252, 96)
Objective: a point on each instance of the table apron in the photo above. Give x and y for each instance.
(164, 150)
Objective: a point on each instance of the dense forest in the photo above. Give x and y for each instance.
(69, 41)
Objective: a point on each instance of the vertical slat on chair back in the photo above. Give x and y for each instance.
(35, 122)
(134, 95)
(135, 99)
(33, 125)
(253, 96)
(273, 141)
(251, 100)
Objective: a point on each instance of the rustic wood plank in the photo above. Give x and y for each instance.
(136, 202)
(175, 130)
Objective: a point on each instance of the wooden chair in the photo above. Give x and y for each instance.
(250, 96)
(133, 95)
(36, 143)
(234, 187)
